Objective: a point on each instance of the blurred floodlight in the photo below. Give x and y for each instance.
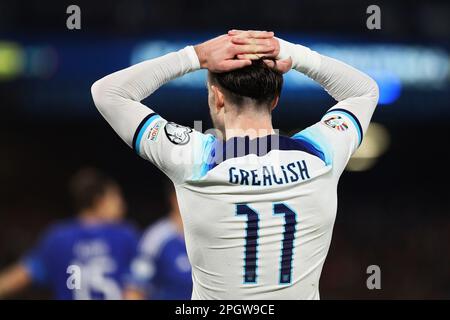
(393, 66)
(375, 143)
(415, 66)
(153, 49)
(11, 60)
(390, 86)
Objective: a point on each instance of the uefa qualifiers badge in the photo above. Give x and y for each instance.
(336, 122)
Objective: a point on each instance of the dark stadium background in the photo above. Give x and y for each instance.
(395, 215)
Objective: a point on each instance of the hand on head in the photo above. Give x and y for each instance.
(252, 37)
(237, 48)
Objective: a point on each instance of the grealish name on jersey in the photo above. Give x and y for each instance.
(258, 213)
(267, 175)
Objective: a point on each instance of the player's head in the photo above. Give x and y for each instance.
(243, 92)
(97, 195)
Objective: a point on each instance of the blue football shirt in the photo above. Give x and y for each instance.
(83, 261)
(162, 268)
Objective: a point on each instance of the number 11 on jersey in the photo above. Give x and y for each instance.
(251, 241)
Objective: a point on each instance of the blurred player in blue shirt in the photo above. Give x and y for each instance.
(83, 258)
(161, 270)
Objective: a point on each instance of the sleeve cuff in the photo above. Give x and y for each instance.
(303, 59)
(189, 56)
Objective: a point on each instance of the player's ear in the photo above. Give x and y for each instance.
(274, 103)
(219, 101)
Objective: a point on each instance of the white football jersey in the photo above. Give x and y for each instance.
(258, 213)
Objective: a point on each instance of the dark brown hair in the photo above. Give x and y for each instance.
(257, 81)
(87, 185)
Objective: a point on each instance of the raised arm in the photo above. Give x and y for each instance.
(172, 148)
(14, 279)
(341, 130)
(118, 95)
(354, 90)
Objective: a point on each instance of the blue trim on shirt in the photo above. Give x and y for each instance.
(208, 151)
(141, 129)
(313, 137)
(217, 151)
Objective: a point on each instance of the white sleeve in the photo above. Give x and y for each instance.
(167, 145)
(342, 128)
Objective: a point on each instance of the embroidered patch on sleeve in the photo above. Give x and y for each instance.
(336, 122)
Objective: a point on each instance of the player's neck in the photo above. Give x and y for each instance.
(250, 124)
